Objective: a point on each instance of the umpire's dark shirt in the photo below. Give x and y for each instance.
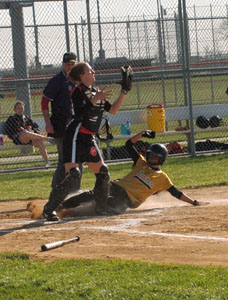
(58, 92)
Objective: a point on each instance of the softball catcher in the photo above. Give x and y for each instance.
(80, 143)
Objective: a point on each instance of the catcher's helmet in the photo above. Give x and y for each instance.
(215, 121)
(202, 122)
(159, 150)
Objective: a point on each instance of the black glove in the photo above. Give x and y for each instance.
(196, 203)
(227, 91)
(148, 134)
(127, 76)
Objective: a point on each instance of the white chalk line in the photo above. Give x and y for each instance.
(109, 228)
(123, 226)
(134, 222)
(36, 229)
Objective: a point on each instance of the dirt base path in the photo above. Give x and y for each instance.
(162, 230)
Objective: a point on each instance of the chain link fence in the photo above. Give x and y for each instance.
(179, 55)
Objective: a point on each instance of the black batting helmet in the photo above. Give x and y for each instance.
(215, 121)
(159, 150)
(202, 122)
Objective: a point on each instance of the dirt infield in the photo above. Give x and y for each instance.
(162, 230)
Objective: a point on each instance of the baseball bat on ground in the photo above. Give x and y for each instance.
(57, 244)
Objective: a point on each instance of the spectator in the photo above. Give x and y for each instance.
(57, 92)
(80, 145)
(145, 179)
(24, 131)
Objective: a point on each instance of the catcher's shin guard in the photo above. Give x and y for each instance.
(59, 193)
(77, 184)
(101, 189)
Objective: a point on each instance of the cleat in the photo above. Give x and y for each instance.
(50, 216)
(51, 140)
(47, 165)
(59, 208)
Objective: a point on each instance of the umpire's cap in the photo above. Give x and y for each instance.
(69, 56)
(159, 150)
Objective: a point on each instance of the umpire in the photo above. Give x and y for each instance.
(57, 92)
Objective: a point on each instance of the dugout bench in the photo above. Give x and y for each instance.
(179, 113)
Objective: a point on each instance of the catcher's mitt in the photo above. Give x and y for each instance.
(127, 77)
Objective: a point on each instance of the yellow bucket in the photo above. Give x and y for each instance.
(156, 117)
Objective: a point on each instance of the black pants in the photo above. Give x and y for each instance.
(118, 198)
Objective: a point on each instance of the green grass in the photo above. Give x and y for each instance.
(22, 278)
(185, 172)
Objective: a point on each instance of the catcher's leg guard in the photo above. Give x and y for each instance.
(77, 184)
(59, 193)
(101, 189)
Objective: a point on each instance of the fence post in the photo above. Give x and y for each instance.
(89, 33)
(20, 57)
(76, 41)
(188, 74)
(66, 25)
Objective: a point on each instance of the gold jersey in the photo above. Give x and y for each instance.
(143, 182)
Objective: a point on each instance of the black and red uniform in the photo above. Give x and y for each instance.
(80, 144)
